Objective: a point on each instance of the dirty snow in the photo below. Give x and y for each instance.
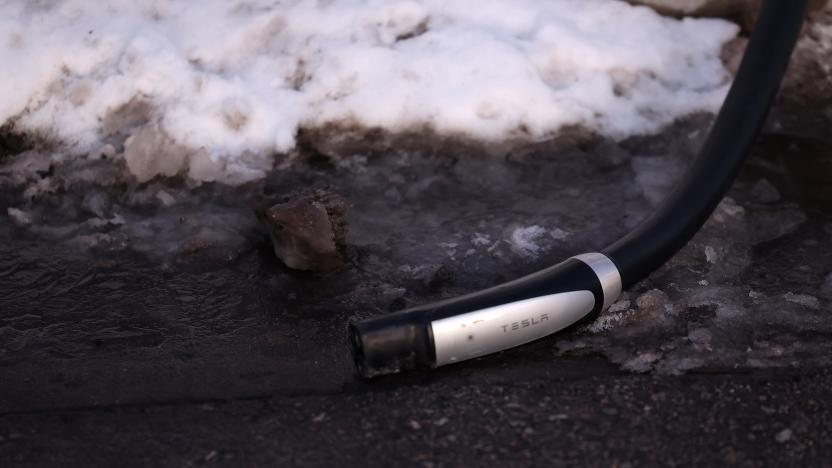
(216, 90)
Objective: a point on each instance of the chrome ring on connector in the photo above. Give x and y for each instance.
(607, 274)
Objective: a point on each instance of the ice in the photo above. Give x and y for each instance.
(455, 227)
(783, 436)
(608, 321)
(166, 198)
(764, 192)
(480, 240)
(728, 209)
(651, 300)
(805, 300)
(748, 290)
(826, 287)
(776, 223)
(558, 234)
(656, 176)
(526, 241)
(97, 203)
(620, 306)
(19, 216)
(701, 339)
(216, 92)
(150, 152)
(643, 362)
(711, 255)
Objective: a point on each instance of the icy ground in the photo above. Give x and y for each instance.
(219, 90)
(164, 269)
(173, 279)
(150, 324)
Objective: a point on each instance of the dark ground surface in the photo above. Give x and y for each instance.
(528, 420)
(151, 325)
(193, 345)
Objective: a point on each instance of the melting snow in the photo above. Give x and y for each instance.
(216, 89)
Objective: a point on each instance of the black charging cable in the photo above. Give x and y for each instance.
(550, 300)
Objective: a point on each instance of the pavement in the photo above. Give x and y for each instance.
(136, 331)
(599, 418)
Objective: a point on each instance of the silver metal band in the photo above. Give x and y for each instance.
(607, 274)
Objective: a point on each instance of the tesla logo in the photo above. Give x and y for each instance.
(525, 323)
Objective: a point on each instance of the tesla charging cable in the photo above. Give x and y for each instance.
(550, 300)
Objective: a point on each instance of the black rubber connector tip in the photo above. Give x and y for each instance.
(390, 344)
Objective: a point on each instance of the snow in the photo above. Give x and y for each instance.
(217, 90)
(525, 240)
(529, 241)
(532, 240)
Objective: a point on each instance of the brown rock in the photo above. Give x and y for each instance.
(308, 231)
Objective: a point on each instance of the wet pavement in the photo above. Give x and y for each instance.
(533, 420)
(153, 325)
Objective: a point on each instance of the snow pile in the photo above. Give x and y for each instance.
(217, 88)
